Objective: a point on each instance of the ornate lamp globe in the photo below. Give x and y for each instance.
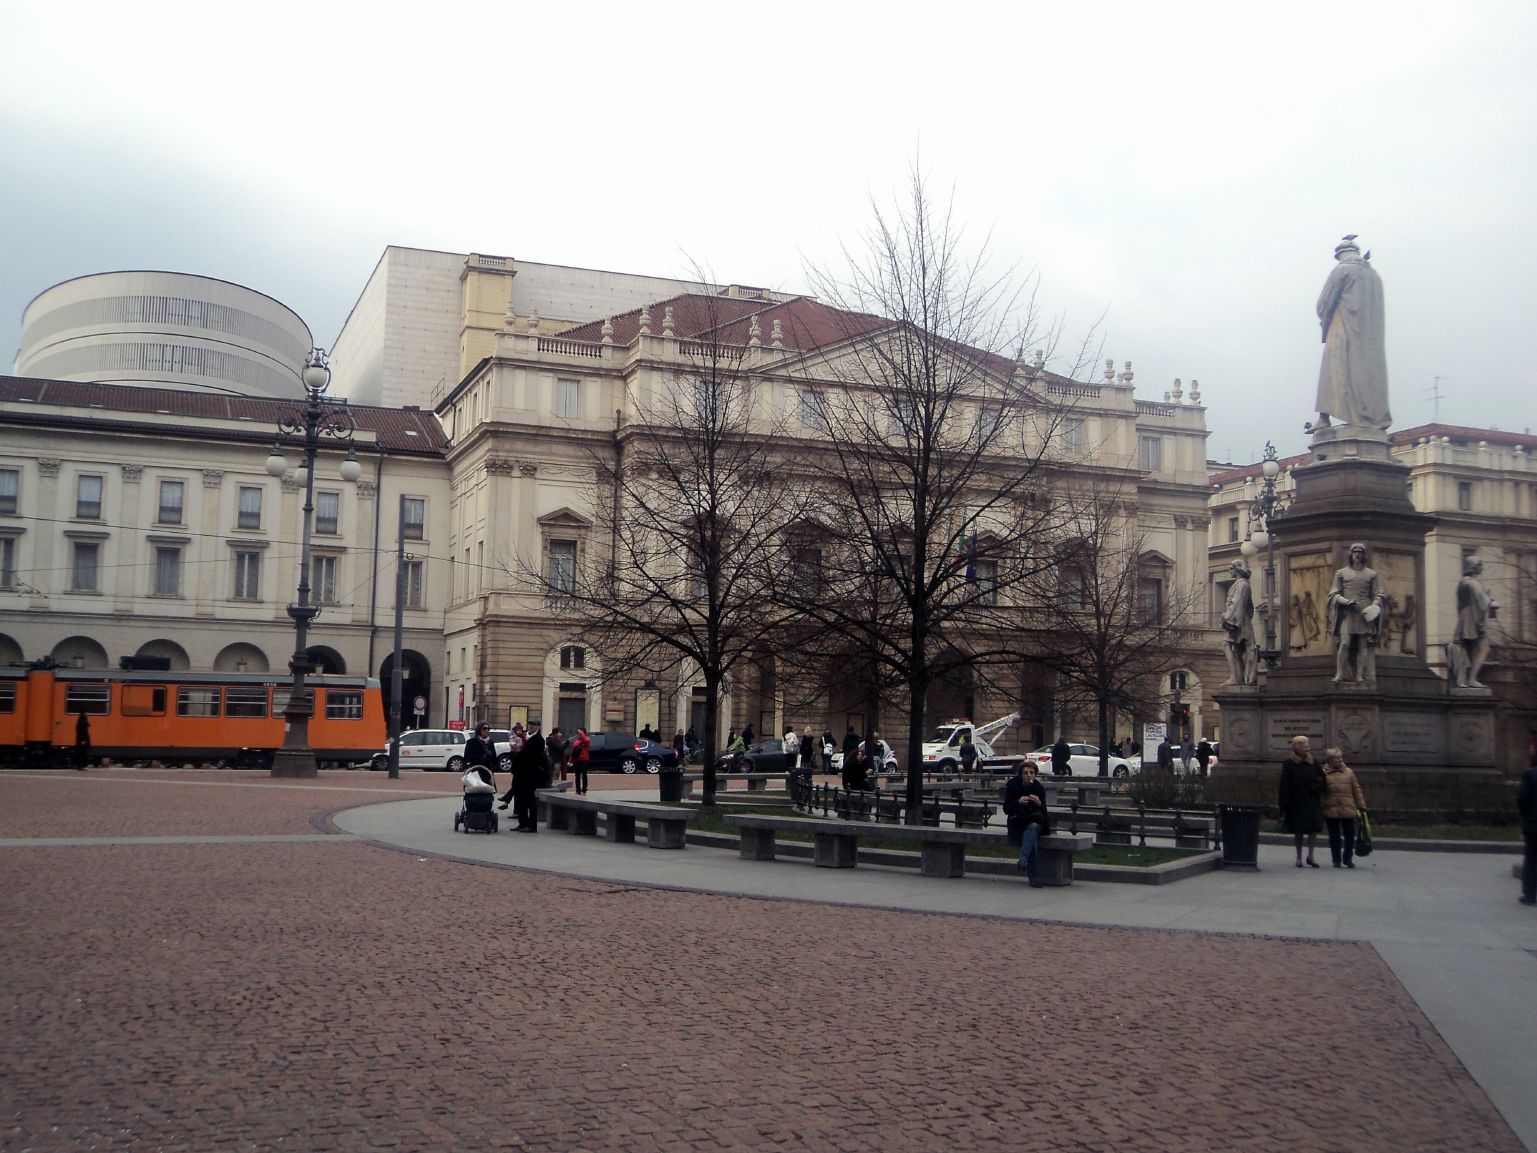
(351, 469)
(1271, 469)
(1261, 540)
(276, 465)
(1248, 548)
(317, 373)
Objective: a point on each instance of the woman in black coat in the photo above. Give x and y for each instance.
(1301, 797)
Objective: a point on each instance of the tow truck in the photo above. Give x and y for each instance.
(943, 753)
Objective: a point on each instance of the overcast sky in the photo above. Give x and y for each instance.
(1182, 170)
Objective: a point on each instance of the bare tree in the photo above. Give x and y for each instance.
(692, 510)
(1121, 619)
(934, 481)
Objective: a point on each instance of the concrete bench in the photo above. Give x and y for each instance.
(666, 826)
(1118, 827)
(942, 851)
(756, 782)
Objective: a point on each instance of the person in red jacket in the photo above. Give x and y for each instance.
(581, 752)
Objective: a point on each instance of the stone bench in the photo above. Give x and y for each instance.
(666, 826)
(756, 782)
(943, 851)
(1118, 827)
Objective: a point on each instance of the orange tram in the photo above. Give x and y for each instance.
(230, 720)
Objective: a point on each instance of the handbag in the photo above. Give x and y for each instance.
(1363, 836)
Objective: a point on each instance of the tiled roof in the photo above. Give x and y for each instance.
(1462, 432)
(394, 429)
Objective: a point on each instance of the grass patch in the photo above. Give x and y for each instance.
(1132, 856)
(1503, 833)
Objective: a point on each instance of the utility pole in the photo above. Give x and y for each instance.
(396, 704)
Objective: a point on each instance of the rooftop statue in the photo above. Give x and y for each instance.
(1353, 379)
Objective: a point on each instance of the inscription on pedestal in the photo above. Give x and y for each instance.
(1281, 727)
(1414, 734)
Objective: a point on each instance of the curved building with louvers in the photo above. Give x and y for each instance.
(167, 329)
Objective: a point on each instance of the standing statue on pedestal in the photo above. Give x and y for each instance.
(1238, 623)
(1470, 642)
(1355, 619)
(1353, 379)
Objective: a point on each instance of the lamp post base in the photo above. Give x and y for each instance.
(294, 763)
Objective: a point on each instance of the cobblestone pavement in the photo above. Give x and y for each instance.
(315, 996)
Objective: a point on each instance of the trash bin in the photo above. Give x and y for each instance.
(1240, 835)
(670, 782)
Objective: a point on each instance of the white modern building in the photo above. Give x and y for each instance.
(166, 330)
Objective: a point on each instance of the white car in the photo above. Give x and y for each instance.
(442, 749)
(1084, 762)
(888, 759)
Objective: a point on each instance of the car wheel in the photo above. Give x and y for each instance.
(455, 764)
(653, 765)
(947, 766)
(1122, 771)
(628, 765)
(379, 763)
(504, 763)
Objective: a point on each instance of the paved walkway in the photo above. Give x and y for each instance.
(185, 965)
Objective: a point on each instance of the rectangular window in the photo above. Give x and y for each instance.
(167, 572)
(985, 574)
(414, 576)
(1232, 530)
(245, 701)
(327, 512)
(88, 497)
(323, 580)
(1465, 495)
(7, 697)
(413, 518)
(1152, 453)
(988, 420)
(250, 515)
(344, 705)
(562, 567)
(902, 416)
(94, 700)
(1072, 588)
(10, 488)
(248, 576)
(172, 493)
(812, 415)
(807, 571)
(1073, 438)
(197, 702)
(1150, 600)
(7, 562)
(85, 566)
(568, 397)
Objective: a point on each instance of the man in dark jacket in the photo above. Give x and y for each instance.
(1203, 755)
(527, 776)
(1526, 801)
(1024, 802)
(1061, 758)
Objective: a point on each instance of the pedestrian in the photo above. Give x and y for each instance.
(1526, 802)
(850, 742)
(527, 776)
(968, 755)
(792, 748)
(1166, 755)
(1061, 758)
(578, 755)
(1343, 802)
(555, 746)
(1301, 797)
(680, 746)
(691, 743)
(747, 735)
(808, 753)
(828, 748)
(1024, 802)
(648, 733)
(82, 741)
(736, 749)
(1203, 755)
(875, 754)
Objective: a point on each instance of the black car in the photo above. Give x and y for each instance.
(627, 753)
(763, 757)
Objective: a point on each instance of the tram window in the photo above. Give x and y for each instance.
(143, 701)
(245, 701)
(95, 700)
(343, 705)
(7, 697)
(192, 702)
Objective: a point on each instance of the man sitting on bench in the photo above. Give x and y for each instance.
(1024, 800)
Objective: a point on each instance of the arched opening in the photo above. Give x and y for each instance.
(10, 651)
(80, 653)
(327, 660)
(415, 686)
(163, 650)
(241, 658)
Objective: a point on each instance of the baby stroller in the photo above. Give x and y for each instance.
(478, 815)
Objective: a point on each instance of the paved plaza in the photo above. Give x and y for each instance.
(212, 961)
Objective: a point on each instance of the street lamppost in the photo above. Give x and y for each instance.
(315, 420)
(1265, 508)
